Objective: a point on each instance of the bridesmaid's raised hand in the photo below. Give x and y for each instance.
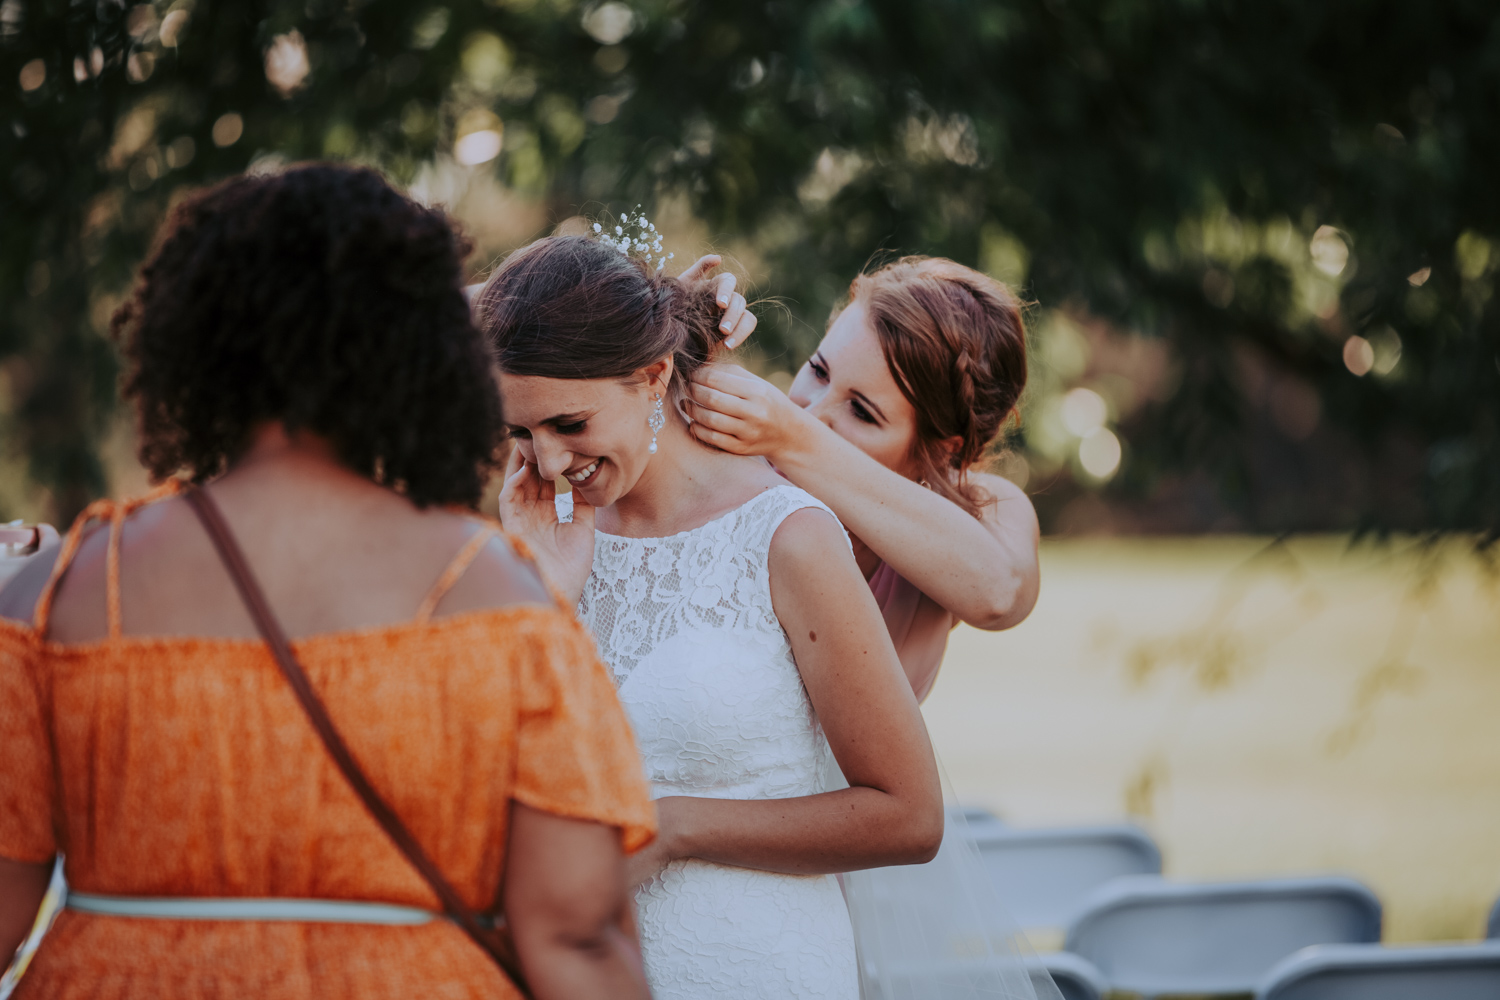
(743, 414)
(564, 552)
(738, 322)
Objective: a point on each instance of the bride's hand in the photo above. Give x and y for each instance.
(564, 552)
(743, 414)
(738, 322)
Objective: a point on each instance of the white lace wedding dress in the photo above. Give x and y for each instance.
(706, 674)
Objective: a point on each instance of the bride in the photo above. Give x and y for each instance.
(729, 607)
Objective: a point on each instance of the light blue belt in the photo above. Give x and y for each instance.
(328, 911)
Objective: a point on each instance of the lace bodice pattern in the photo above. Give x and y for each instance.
(705, 671)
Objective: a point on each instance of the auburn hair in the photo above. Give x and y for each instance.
(955, 342)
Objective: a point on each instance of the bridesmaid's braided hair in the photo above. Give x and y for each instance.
(955, 342)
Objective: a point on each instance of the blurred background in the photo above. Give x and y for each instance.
(1261, 238)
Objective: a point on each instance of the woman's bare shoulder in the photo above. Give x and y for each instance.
(1003, 500)
(498, 577)
(806, 546)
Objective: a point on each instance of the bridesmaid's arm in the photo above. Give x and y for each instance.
(22, 887)
(984, 571)
(892, 813)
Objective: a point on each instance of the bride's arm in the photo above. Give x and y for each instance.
(892, 812)
(984, 571)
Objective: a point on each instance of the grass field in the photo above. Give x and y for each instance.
(1262, 708)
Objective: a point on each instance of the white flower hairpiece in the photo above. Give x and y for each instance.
(635, 236)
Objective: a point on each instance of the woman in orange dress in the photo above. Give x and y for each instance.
(300, 343)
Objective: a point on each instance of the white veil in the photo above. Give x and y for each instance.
(938, 931)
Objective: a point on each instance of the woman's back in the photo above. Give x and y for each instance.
(160, 750)
(332, 551)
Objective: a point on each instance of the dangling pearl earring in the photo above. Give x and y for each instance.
(656, 421)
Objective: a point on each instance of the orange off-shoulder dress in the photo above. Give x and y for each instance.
(180, 766)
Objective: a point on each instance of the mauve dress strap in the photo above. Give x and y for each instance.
(918, 626)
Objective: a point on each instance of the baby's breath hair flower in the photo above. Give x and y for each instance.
(635, 234)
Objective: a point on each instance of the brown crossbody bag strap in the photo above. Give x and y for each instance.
(495, 942)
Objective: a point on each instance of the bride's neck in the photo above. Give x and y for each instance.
(685, 484)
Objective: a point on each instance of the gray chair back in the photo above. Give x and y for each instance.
(980, 819)
(1151, 936)
(1370, 972)
(972, 978)
(1492, 930)
(1075, 976)
(1042, 876)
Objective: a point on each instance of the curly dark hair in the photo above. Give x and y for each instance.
(321, 298)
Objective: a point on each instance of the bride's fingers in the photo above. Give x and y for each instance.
(583, 513)
(522, 487)
(700, 267)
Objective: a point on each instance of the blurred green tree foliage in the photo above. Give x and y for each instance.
(1298, 200)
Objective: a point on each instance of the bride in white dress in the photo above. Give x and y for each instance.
(736, 622)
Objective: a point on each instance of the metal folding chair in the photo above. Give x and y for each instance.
(973, 978)
(1371, 972)
(1044, 875)
(1075, 976)
(1152, 936)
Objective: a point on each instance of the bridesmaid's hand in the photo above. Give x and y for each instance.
(564, 552)
(738, 322)
(743, 414)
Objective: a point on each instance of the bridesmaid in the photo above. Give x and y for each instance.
(887, 423)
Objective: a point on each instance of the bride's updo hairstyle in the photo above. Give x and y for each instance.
(955, 342)
(571, 307)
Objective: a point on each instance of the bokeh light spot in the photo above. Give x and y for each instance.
(1084, 411)
(477, 147)
(1099, 453)
(171, 28)
(1387, 346)
(228, 129)
(287, 64)
(33, 75)
(609, 23)
(1359, 356)
(1330, 254)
